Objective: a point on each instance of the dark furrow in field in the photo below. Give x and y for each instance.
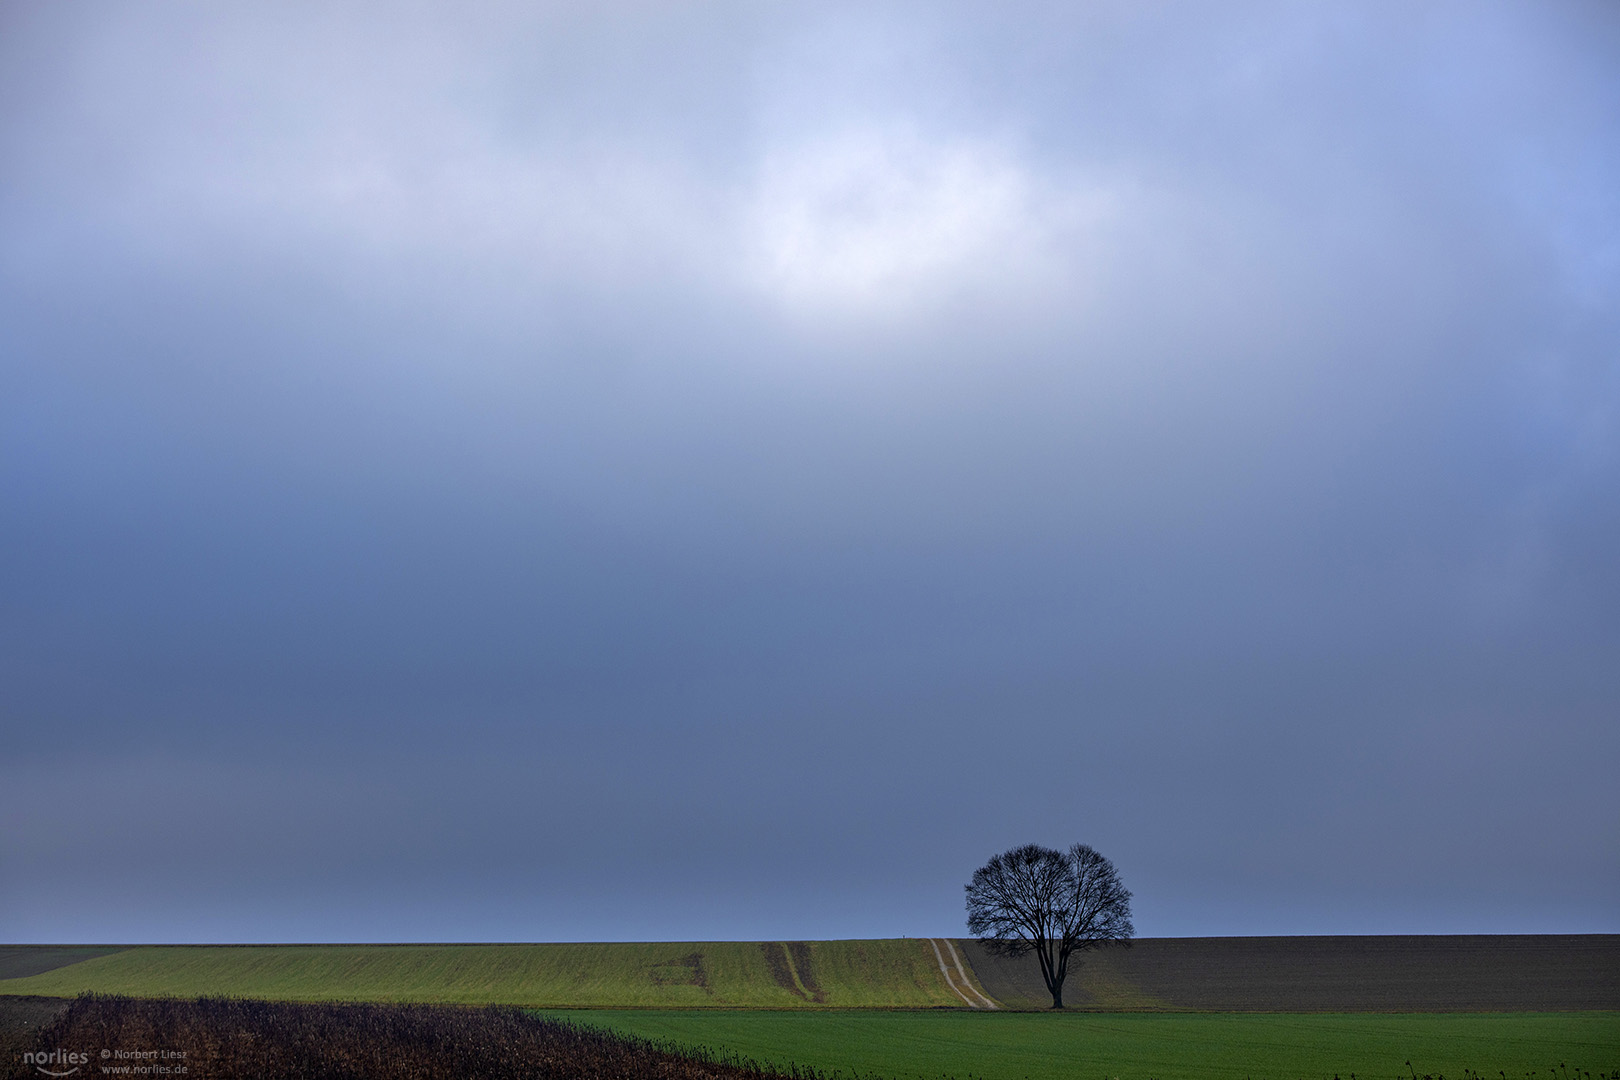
(686, 971)
(776, 958)
(800, 951)
(1452, 973)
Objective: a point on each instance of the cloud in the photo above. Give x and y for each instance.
(882, 222)
(809, 398)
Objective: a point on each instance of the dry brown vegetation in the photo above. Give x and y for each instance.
(229, 1038)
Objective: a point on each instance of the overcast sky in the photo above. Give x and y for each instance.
(650, 471)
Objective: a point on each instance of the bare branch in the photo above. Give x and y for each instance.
(1052, 903)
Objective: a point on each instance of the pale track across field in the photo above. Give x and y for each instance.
(966, 991)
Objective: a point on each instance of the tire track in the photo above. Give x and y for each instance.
(951, 982)
(962, 971)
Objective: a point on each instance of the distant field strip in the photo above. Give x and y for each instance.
(1430, 973)
(890, 973)
(1548, 973)
(959, 982)
(20, 961)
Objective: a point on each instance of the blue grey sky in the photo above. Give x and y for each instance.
(704, 471)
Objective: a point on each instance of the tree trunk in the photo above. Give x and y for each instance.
(1059, 972)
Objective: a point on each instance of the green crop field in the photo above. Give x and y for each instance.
(894, 973)
(1510, 1008)
(1149, 1046)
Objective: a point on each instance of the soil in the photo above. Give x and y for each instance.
(20, 1020)
(1432, 973)
(20, 961)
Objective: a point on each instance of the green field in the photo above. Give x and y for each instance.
(882, 1008)
(893, 973)
(1148, 1046)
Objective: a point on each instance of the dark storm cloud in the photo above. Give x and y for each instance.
(460, 467)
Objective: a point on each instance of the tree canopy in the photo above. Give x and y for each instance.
(1052, 903)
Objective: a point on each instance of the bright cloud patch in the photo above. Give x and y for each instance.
(876, 222)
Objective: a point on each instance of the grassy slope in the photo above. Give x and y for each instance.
(1536, 973)
(1163, 1046)
(893, 972)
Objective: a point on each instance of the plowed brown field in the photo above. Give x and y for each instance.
(1430, 973)
(21, 961)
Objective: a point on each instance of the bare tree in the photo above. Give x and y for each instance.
(1051, 903)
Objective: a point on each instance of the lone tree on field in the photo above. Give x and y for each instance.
(1051, 903)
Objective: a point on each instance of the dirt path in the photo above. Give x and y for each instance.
(959, 983)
